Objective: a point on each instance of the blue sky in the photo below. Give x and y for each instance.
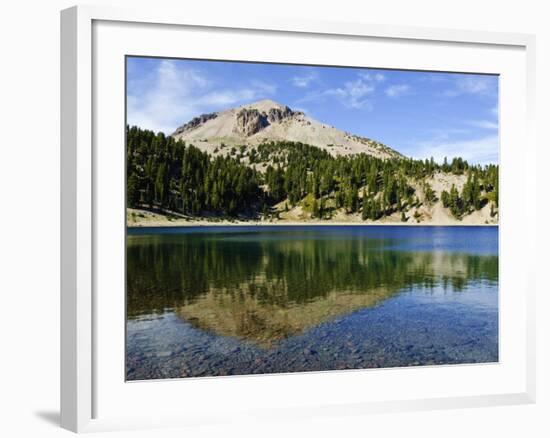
(420, 114)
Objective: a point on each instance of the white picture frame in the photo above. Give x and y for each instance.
(85, 351)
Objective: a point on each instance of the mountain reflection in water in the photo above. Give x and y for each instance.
(266, 285)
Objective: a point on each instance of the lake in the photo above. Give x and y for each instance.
(213, 301)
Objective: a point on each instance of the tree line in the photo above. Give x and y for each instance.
(168, 175)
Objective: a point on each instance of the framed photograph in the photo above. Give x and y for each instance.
(282, 219)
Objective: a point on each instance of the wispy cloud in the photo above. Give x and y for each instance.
(172, 94)
(303, 81)
(445, 134)
(483, 150)
(397, 90)
(355, 94)
(266, 88)
(160, 101)
(483, 124)
(473, 85)
(372, 77)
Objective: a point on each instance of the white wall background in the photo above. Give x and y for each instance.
(29, 216)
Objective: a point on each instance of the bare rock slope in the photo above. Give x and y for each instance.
(266, 121)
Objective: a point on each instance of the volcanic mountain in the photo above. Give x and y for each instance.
(265, 121)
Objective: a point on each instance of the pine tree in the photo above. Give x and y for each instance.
(315, 209)
(455, 202)
(429, 194)
(132, 192)
(366, 212)
(163, 173)
(445, 199)
(321, 208)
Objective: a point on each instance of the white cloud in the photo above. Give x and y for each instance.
(354, 94)
(482, 150)
(483, 124)
(472, 84)
(304, 80)
(444, 134)
(261, 86)
(397, 90)
(173, 94)
(159, 101)
(376, 77)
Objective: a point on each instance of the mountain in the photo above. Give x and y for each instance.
(266, 121)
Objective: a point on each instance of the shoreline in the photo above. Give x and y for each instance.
(196, 224)
(147, 219)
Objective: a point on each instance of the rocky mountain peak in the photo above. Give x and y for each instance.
(252, 118)
(195, 122)
(249, 121)
(264, 105)
(264, 121)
